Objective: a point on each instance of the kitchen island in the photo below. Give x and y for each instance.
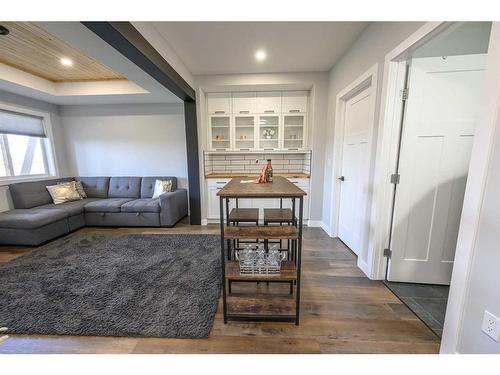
(273, 307)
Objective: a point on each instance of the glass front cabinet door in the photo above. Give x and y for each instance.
(244, 132)
(220, 132)
(294, 131)
(269, 132)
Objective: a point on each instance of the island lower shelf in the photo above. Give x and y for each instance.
(266, 306)
(262, 232)
(288, 273)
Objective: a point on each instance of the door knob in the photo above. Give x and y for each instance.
(341, 178)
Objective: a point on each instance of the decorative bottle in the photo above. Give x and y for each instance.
(269, 171)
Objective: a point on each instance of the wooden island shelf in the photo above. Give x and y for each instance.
(249, 232)
(288, 273)
(261, 306)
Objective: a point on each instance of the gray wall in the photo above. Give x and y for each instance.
(115, 139)
(370, 48)
(57, 130)
(126, 140)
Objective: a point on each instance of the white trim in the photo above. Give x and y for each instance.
(386, 144)
(482, 148)
(49, 146)
(366, 80)
(314, 223)
(363, 266)
(473, 199)
(326, 228)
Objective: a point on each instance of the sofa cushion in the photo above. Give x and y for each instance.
(148, 185)
(106, 205)
(142, 205)
(95, 187)
(124, 187)
(30, 218)
(32, 194)
(71, 208)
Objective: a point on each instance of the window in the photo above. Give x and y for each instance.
(23, 145)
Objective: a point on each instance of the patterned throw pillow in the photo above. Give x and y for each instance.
(64, 192)
(79, 188)
(162, 186)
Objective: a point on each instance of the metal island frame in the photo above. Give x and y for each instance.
(261, 307)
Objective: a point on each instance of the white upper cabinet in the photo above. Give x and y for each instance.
(269, 102)
(265, 120)
(295, 101)
(244, 102)
(219, 103)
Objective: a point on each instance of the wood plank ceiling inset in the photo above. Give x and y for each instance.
(32, 49)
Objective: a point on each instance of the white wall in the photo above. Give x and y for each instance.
(316, 82)
(484, 281)
(126, 140)
(57, 131)
(151, 34)
(370, 48)
(474, 285)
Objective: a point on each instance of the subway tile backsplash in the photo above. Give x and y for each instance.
(245, 163)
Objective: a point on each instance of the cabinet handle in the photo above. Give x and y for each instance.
(219, 182)
(295, 182)
(294, 110)
(269, 149)
(219, 112)
(269, 111)
(220, 149)
(293, 149)
(244, 149)
(244, 111)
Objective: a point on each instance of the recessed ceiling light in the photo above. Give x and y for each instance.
(260, 55)
(66, 62)
(3, 30)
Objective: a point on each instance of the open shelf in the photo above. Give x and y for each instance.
(288, 273)
(244, 305)
(262, 232)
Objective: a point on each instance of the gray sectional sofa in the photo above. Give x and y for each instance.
(111, 201)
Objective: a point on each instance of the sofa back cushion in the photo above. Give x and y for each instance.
(33, 194)
(95, 187)
(124, 187)
(148, 185)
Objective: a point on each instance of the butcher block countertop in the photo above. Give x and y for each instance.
(242, 175)
(279, 188)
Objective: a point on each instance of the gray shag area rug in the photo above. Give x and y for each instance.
(155, 285)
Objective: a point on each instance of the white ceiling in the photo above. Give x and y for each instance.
(229, 47)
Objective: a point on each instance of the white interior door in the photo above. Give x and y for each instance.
(442, 106)
(353, 215)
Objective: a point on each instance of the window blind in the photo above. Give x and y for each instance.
(21, 124)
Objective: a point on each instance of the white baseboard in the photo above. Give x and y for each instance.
(363, 266)
(204, 221)
(326, 228)
(314, 223)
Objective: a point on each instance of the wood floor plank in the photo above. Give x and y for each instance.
(342, 311)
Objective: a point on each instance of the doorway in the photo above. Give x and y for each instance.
(440, 104)
(355, 115)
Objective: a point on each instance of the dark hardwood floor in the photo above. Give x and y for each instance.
(342, 311)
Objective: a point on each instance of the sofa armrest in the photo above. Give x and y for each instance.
(174, 206)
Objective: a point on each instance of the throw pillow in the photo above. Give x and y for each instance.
(79, 188)
(162, 186)
(64, 192)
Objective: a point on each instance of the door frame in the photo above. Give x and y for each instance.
(478, 170)
(366, 80)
